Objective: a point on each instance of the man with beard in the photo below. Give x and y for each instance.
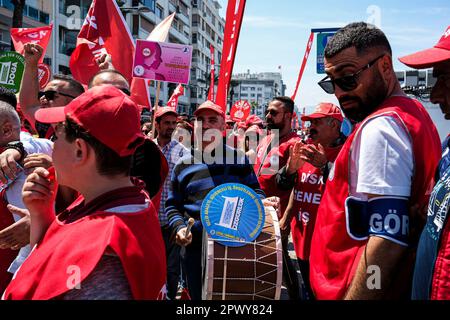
(166, 121)
(272, 153)
(362, 247)
(431, 273)
(305, 171)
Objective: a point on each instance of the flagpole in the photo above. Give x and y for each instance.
(158, 89)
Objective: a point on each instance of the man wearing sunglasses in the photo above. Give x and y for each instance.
(431, 273)
(58, 92)
(362, 247)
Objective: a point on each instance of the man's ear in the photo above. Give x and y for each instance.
(82, 151)
(385, 66)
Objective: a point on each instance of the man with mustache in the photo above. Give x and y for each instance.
(362, 247)
(431, 274)
(272, 153)
(194, 176)
(166, 122)
(305, 172)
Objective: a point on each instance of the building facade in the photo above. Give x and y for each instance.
(258, 89)
(196, 23)
(207, 30)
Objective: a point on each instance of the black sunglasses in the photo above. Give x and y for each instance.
(273, 113)
(50, 94)
(346, 83)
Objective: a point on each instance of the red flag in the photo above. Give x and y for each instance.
(211, 85)
(104, 31)
(240, 111)
(173, 101)
(305, 59)
(40, 36)
(140, 87)
(303, 122)
(235, 13)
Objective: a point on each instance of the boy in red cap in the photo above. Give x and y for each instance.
(432, 270)
(107, 244)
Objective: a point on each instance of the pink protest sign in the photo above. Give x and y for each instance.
(167, 62)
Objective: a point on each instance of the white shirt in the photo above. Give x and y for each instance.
(14, 191)
(381, 159)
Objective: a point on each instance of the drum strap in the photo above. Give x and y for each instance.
(225, 262)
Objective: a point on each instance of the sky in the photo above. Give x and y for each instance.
(275, 33)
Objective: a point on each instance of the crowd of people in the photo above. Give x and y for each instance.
(95, 198)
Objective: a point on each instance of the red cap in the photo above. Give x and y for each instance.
(427, 58)
(325, 110)
(209, 105)
(104, 112)
(242, 125)
(165, 110)
(253, 120)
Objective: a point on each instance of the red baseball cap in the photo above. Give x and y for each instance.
(325, 110)
(253, 120)
(209, 105)
(427, 58)
(165, 110)
(104, 112)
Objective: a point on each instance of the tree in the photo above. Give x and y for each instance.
(17, 21)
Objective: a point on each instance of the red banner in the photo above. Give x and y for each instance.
(40, 36)
(44, 75)
(173, 101)
(240, 111)
(140, 87)
(104, 31)
(235, 13)
(305, 59)
(211, 84)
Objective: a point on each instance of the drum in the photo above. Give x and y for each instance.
(250, 272)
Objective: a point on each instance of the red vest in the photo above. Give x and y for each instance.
(268, 163)
(7, 256)
(440, 285)
(135, 237)
(334, 255)
(307, 195)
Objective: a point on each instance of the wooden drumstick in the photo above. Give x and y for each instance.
(190, 223)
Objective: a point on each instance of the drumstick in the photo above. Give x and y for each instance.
(190, 223)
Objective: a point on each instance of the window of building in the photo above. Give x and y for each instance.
(252, 89)
(194, 38)
(7, 4)
(67, 40)
(64, 70)
(159, 11)
(259, 89)
(44, 17)
(148, 3)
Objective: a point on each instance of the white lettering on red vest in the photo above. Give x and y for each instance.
(307, 197)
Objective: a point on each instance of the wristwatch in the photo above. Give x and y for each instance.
(17, 145)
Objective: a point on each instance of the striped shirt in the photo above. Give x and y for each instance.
(173, 151)
(192, 179)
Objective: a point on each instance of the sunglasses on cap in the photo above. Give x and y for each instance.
(50, 94)
(346, 83)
